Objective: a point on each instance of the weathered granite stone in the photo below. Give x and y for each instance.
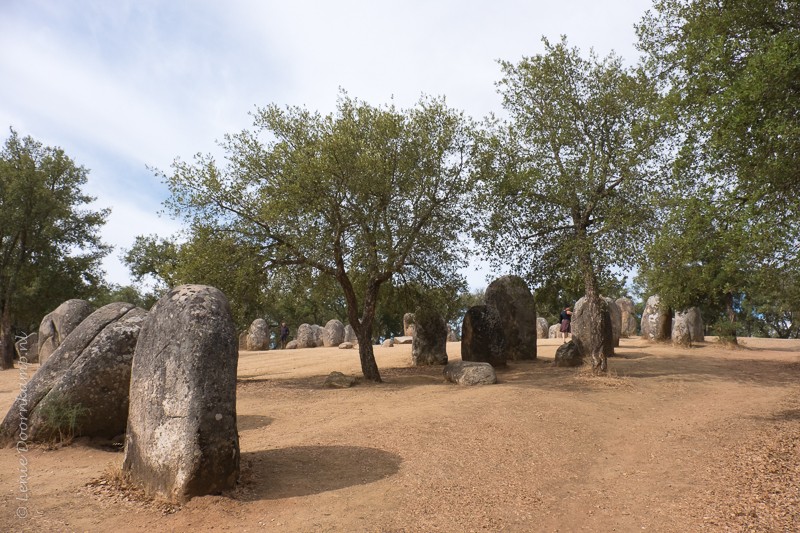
(616, 319)
(28, 348)
(568, 354)
(333, 333)
(182, 439)
(429, 342)
(694, 321)
(88, 375)
(403, 340)
(656, 320)
(58, 324)
(337, 380)
(306, 336)
(258, 336)
(628, 318)
(482, 336)
(516, 305)
(581, 328)
(470, 373)
(542, 328)
(318, 333)
(388, 343)
(291, 345)
(680, 332)
(350, 334)
(346, 346)
(554, 331)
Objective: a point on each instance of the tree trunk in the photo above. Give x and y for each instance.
(728, 333)
(369, 367)
(6, 341)
(362, 325)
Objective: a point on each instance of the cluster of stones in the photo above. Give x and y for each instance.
(165, 379)
(683, 329)
(335, 333)
(505, 327)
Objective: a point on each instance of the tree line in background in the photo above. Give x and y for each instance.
(683, 168)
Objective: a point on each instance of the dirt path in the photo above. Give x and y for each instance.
(677, 440)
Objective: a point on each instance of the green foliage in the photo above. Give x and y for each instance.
(49, 245)
(107, 294)
(61, 419)
(363, 197)
(569, 183)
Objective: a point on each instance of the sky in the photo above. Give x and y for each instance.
(127, 87)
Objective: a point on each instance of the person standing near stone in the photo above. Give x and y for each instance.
(566, 319)
(284, 335)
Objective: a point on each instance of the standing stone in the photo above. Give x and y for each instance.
(57, 325)
(350, 334)
(429, 342)
(482, 336)
(628, 318)
(318, 333)
(243, 341)
(580, 327)
(306, 337)
(388, 343)
(258, 336)
(182, 439)
(292, 345)
(408, 325)
(656, 322)
(333, 333)
(517, 308)
(568, 355)
(694, 322)
(616, 319)
(680, 332)
(542, 328)
(28, 348)
(88, 376)
(553, 332)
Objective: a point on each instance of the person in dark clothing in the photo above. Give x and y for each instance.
(566, 319)
(284, 334)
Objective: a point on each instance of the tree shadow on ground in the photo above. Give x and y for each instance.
(307, 470)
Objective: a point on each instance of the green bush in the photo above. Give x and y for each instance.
(61, 419)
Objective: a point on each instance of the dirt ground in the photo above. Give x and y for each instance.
(700, 439)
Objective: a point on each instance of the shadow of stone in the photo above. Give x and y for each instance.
(787, 415)
(307, 470)
(246, 422)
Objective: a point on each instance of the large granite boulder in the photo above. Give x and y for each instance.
(542, 328)
(568, 355)
(333, 333)
(656, 320)
(318, 335)
(429, 341)
(554, 331)
(337, 380)
(28, 347)
(182, 439)
(680, 332)
(350, 334)
(408, 325)
(258, 336)
(628, 318)
(470, 373)
(515, 303)
(616, 319)
(306, 336)
(694, 322)
(82, 388)
(482, 336)
(581, 327)
(58, 324)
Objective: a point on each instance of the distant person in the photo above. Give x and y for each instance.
(566, 319)
(284, 334)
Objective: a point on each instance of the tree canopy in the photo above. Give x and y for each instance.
(50, 250)
(569, 181)
(364, 196)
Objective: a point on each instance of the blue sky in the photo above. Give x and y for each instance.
(127, 85)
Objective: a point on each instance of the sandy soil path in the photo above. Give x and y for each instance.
(699, 439)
